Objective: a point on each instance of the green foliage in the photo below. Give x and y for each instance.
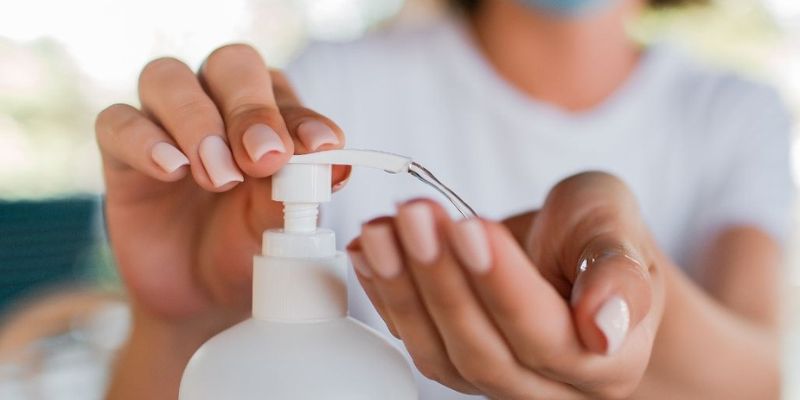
(733, 33)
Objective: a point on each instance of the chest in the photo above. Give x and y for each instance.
(503, 164)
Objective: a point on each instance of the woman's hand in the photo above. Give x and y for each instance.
(571, 313)
(188, 196)
(186, 191)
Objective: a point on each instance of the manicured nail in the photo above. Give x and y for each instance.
(613, 319)
(359, 263)
(417, 230)
(168, 157)
(380, 249)
(472, 246)
(338, 186)
(315, 134)
(217, 159)
(260, 139)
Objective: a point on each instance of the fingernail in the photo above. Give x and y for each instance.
(359, 263)
(381, 251)
(338, 186)
(418, 232)
(217, 160)
(593, 256)
(472, 246)
(168, 157)
(613, 319)
(315, 134)
(260, 139)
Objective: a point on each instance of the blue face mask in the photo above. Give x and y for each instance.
(568, 8)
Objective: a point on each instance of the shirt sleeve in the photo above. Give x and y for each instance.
(748, 180)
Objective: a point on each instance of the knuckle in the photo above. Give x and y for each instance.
(247, 108)
(402, 305)
(220, 54)
(586, 193)
(297, 113)
(553, 357)
(511, 312)
(483, 374)
(160, 67)
(427, 369)
(278, 77)
(277, 74)
(434, 368)
(569, 185)
(547, 359)
(115, 119)
(107, 114)
(188, 106)
(450, 305)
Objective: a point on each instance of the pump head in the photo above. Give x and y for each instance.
(305, 182)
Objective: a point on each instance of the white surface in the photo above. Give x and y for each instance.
(300, 343)
(389, 162)
(339, 359)
(701, 149)
(300, 289)
(302, 183)
(280, 243)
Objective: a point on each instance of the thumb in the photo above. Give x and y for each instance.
(612, 293)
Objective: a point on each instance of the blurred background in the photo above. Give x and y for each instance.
(63, 61)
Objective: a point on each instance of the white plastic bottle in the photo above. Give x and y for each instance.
(300, 343)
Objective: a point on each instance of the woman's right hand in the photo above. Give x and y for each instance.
(187, 182)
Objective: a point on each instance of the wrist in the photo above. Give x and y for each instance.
(693, 324)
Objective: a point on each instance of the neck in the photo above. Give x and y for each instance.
(573, 64)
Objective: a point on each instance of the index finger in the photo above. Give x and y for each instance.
(535, 319)
(265, 121)
(238, 81)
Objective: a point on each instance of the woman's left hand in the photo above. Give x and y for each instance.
(567, 310)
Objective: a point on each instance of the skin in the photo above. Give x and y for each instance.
(184, 246)
(476, 331)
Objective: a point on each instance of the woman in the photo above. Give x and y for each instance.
(656, 282)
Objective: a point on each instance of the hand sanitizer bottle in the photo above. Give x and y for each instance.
(300, 344)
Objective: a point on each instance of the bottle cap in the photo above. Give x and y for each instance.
(307, 177)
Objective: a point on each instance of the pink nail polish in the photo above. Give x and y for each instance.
(380, 248)
(417, 229)
(340, 185)
(360, 263)
(472, 245)
(217, 160)
(613, 319)
(260, 139)
(315, 134)
(168, 157)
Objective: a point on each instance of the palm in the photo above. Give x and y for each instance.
(182, 250)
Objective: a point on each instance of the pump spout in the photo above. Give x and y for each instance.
(389, 162)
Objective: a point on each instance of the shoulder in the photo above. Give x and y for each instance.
(723, 101)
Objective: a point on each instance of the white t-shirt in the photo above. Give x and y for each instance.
(701, 149)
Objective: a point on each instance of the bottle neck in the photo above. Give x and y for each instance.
(300, 217)
(299, 278)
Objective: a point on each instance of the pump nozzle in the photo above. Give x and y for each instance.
(389, 162)
(306, 181)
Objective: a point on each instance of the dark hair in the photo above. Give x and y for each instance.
(471, 5)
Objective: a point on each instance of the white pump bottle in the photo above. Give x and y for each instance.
(300, 343)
